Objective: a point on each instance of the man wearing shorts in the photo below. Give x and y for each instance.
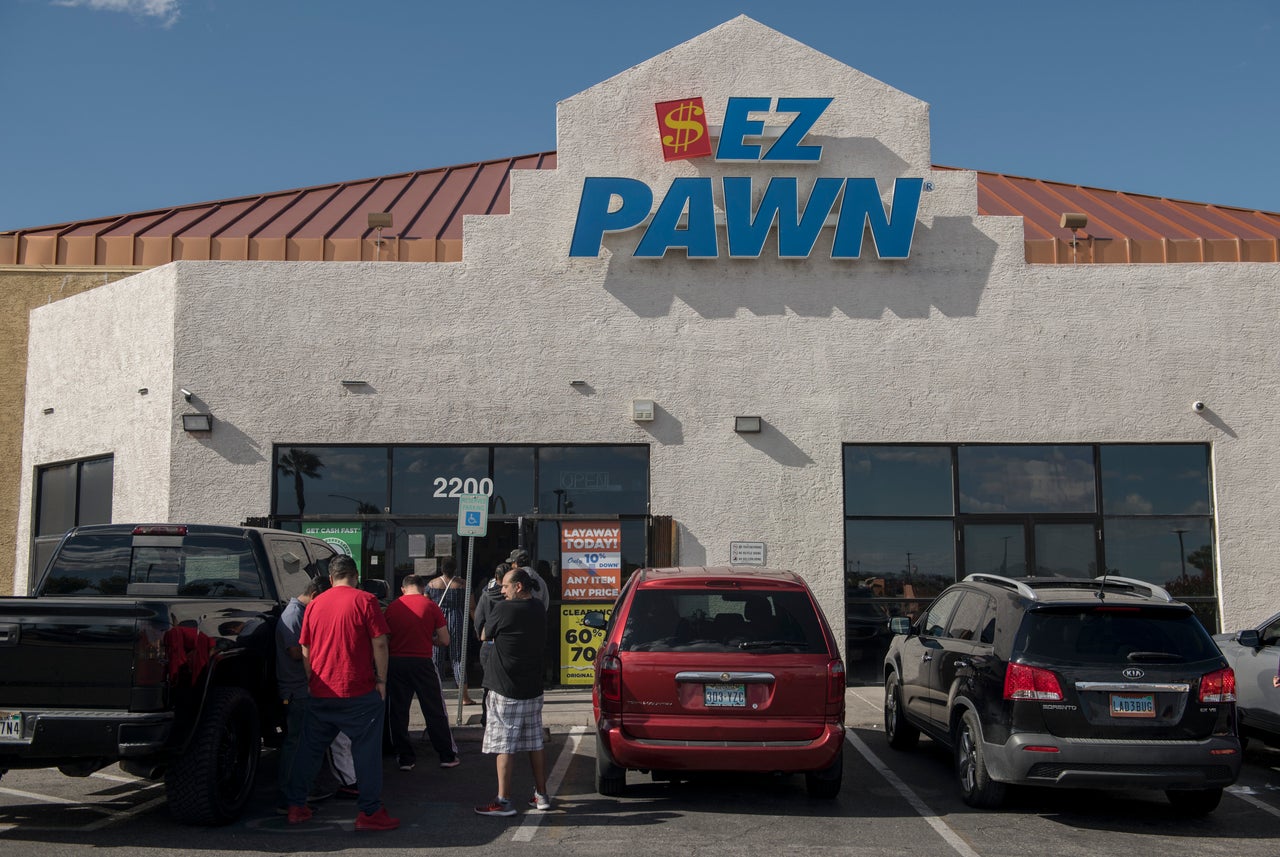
(514, 637)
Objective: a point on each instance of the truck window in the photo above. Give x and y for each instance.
(293, 566)
(201, 565)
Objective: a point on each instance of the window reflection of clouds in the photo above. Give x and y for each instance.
(1026, 479)
(1154, 479)
(888, 480)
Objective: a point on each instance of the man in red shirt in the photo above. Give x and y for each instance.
(345, 653)
(416, 622)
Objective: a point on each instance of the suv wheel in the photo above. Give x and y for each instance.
(901, 734)
(611, 781)
(976, 786)
(1197, 802)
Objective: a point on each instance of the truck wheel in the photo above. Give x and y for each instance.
(976, 786)
(901, 734)
(825, 784)
(212, 781)
(611, 781)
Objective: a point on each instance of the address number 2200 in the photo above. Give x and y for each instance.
(456, 486)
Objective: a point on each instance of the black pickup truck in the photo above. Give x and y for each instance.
(153, 646)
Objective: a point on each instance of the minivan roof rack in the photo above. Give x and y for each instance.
(1017, 585)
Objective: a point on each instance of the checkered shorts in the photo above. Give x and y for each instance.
(512, 725)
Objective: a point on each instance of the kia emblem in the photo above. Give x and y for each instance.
(1133, 672)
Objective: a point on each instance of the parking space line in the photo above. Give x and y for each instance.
(39, 797)
(931, 818)
(117, 817)
(524, 833)
(1244, 793)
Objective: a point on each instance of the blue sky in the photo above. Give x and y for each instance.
(116, 106)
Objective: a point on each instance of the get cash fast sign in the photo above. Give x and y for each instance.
(686, 218)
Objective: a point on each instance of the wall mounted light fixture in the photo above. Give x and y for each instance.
(197, 422)
(355, 383)
(747, 425)
(577, 383)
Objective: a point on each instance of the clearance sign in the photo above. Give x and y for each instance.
(578, 643)
(687, 217)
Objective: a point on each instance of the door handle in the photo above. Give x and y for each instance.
(926, 657)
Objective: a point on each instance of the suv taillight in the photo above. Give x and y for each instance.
(1024, 682)
(1218, 686)
(609, 670)
(835, 681)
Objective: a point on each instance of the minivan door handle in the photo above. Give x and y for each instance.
(926, 657)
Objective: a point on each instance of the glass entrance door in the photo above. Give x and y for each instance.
(1028, 547)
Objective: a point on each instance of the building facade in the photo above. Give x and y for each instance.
(804, 348)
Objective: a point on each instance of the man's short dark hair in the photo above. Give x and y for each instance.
(314, 587)
(449, 566)
(342, 567)
(525, 579)
(416, 581)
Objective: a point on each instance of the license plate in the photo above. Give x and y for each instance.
(724, 695)
(10, 725)
(1133, 705)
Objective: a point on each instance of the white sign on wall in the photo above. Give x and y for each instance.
(746, 553)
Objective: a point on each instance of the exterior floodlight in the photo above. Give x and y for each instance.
(197, 422)
(747, 425)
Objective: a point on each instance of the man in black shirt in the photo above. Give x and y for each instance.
(514, 636)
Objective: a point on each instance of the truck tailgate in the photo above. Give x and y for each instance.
(67, 653)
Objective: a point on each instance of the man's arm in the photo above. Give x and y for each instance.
(381, 657)
(441, 636)
(305, 651)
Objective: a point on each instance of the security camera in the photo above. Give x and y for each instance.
(1197, 406)
(186, 394)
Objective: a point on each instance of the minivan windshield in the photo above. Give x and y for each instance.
(1106, 634)
(765, 621)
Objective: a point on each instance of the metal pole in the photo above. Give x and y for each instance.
(466, 622)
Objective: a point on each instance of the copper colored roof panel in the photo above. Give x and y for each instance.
(330, 223)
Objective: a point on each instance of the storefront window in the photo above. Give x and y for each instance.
(513, 473)
(899, 559)
(1026, 479)
(1155, 480)
(898, 480)
(592, 480)
(428, 480)
(1176, 553)
(331, 480)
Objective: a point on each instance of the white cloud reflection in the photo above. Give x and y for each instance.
(166, 11)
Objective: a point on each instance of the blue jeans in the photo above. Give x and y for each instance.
(360, 719)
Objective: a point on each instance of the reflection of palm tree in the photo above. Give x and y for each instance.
(362, 508)
(300, 463)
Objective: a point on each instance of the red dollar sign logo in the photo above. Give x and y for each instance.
(686, 130)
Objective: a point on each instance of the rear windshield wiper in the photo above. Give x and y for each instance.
(767, 644)
(1171, 657)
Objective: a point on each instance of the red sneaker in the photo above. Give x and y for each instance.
(378, 821)
(299, 814)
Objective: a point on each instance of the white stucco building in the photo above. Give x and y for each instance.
(953, 411)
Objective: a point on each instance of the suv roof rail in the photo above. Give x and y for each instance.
(1156, 591)
(1021, 588)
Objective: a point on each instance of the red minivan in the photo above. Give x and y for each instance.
(717, 669)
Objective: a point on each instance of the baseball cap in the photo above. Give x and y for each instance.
(519, 555)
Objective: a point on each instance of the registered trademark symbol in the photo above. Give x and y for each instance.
(928, 186)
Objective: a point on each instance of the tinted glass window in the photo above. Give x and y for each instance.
(331, 480)
(970, 618)
(289, 556)
(900, 559)
(1155, 480)
(1101, 635)
(203, 565)
(91, 565)
(1176, 553)
(897, 480)
(57, 500)
(429, 480)
(1026, 479)
(513, 470)
(95, 491)
(671, 620)
(581, 480)
(935, 620)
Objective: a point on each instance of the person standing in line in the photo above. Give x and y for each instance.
(345, 654)
(416, 623)
(450, 595)
(520, 558)
(514, 638)
(490, 595)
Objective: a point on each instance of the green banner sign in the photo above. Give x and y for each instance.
(344, 538)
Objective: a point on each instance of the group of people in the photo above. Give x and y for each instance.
(344, 666)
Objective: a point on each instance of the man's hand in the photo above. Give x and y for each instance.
(1275, 681)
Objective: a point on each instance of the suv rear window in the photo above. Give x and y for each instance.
(1114, 635)
(105, 564)
(673, 620)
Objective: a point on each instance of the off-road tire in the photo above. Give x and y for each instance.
(900, 734)
(1194, 802)
(976, 786)
(825, 784)
(611, 781)
(213, 780)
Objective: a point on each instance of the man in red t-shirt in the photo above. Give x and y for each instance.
(345, 653)
(416, 623)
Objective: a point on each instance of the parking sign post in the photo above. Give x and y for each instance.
(473, 520)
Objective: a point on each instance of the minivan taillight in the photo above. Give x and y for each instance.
(1024, 682)
(609, 671)
(1218, 686)
(835, 681)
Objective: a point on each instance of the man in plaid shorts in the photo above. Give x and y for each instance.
(514, 637)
